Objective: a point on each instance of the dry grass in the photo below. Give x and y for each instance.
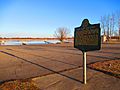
(18, 85)
(111, 67)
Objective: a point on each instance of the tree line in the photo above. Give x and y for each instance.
(110, 24)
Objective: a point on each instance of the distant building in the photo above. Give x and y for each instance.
(112, 38)
(104, 38)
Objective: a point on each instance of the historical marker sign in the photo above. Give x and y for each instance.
(87, 37)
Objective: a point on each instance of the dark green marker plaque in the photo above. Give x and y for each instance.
(87, 37)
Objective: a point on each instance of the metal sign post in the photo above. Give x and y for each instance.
(84, 67)
(87, 37)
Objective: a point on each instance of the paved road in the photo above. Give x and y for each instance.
(19, 62)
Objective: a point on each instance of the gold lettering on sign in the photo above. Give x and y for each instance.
(89, 36)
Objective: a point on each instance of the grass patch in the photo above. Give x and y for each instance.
(19, 85)
(111, 67)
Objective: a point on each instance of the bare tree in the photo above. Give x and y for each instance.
(62, 33)
(119, 26)
(108, 26)
(103, 24)
(118, 22)
(112, 25)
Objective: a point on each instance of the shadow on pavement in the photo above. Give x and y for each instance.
(57, 72)
(102, 57)
(43, 57)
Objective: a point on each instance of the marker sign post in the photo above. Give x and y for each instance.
(87, 38)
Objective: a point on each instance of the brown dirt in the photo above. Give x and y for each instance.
(18, 85)
(111, 67)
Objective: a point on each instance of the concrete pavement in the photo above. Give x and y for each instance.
(19, 62)
(73, 80)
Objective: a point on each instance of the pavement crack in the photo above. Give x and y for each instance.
(52, 84)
